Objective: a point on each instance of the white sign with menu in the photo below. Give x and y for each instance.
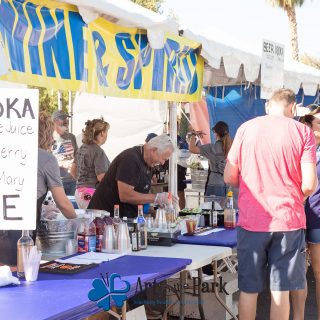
(19, 109)
(271, 68)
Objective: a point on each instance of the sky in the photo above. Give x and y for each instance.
(249, 21)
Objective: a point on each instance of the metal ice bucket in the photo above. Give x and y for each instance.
(53, 234)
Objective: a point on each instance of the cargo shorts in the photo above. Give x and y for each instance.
(274, 258)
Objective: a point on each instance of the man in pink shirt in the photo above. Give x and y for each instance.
(272, 160)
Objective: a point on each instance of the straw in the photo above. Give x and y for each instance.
(31, 262)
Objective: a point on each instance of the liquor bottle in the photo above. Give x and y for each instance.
(135, 240)
(171, 212)
(116, 217)
(214, 218)
(82, 245)
(91, 235)
(142, 228)
(100, 226)
(24, 243)
(229, 212)
(125, 220)
(106, 218)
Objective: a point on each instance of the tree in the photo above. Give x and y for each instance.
(153, 5)
(311, 61)
(48, 99)
(289, 7)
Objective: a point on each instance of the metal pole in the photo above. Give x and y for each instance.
(71, 111)
(59, 100)
(173, 185)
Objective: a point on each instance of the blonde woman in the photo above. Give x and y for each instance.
(91, 162)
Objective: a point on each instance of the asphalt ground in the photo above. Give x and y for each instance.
(263, 306)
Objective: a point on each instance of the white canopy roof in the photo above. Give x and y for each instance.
(128, 14)
(231, 62)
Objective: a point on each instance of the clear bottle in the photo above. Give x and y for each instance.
(142, 228)
(116, 217)
(125, 220)
(229, 212)
(24, 243)
(170, 211)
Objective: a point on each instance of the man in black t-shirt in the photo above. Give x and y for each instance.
(128, 179)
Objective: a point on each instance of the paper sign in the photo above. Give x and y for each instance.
(271, 68)
(19, 158)
(137, 314)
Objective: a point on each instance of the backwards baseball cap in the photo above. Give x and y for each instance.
(59, 114)
(150, 136)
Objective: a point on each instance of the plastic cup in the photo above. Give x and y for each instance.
(191, 226)
(71, 247)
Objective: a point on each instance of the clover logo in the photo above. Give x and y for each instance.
(104, 293)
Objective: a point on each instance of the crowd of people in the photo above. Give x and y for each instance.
(274, 160)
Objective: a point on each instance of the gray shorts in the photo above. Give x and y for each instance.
(274, 257)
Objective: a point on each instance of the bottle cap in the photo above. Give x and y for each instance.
(116, 206)
(125, 219)
(140, 206)
(230, 194)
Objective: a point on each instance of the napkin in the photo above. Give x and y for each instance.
(91, 257)
(6, 277)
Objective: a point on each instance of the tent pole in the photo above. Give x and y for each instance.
(59, 100)
(173, 185)
(71, 110)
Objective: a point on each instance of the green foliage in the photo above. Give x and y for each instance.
(153, 5)
(310, 61)
(184, 127)
(48, 99)
(287, 3)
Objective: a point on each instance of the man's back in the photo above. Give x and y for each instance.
(268, 151)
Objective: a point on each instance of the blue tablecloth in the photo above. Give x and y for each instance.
(225, 238)
(57, 296)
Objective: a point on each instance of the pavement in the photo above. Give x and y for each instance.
(263, 307)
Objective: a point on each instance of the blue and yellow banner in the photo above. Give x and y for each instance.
(49, 45)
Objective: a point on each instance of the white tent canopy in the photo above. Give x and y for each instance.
(130, 119)
(229, 63)
(128, 14)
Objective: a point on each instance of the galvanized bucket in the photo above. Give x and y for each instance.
(54, 234)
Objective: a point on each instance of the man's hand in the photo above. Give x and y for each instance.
(162, 199)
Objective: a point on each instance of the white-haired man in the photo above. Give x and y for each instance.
(128, 179)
